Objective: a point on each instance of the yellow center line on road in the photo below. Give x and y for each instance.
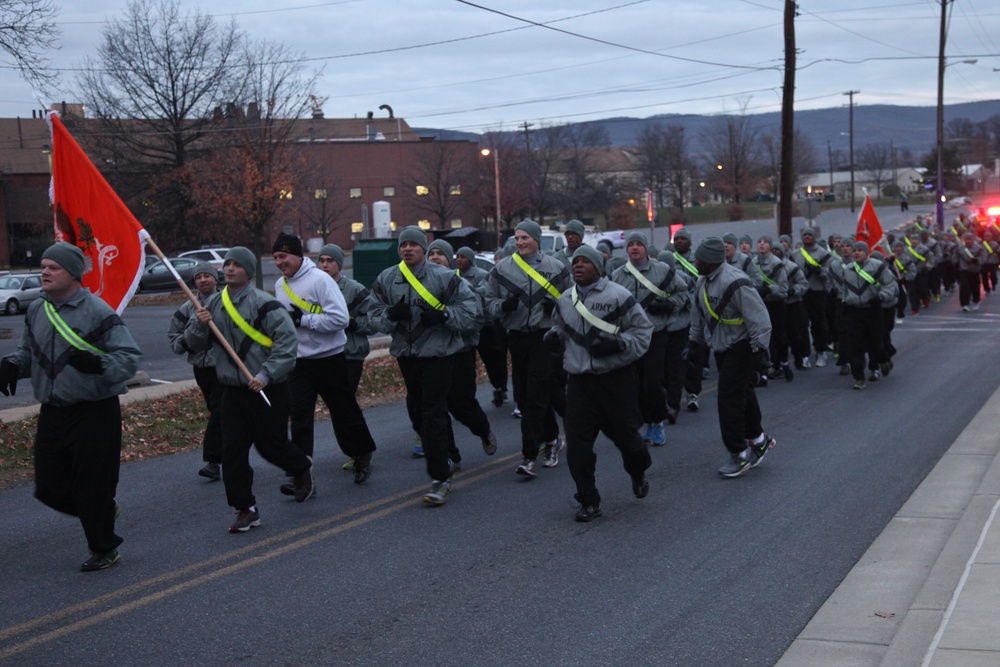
(393, 503)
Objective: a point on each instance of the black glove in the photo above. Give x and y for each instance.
(691, 353)
(85, 362)
(764, 290)
(352, 325)
(548, 305)
(401, 311)
(553, 342)
(8, 377)
(509, 304)
(296, 314)
(761, 361)
(431, 317)
(876, 301)
(605, 347)
(660, 307)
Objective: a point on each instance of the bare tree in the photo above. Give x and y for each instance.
(253, 168)
(441, 179)
(652, 162)
(153, 87)
(27, 30)
(543, 149)
(679, 166)
(804, 160)
(875, 163)
(733, 157)
(579, 179)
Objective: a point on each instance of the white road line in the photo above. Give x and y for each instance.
(958, 591)
(160, 381)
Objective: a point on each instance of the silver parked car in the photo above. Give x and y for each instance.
(18, 290)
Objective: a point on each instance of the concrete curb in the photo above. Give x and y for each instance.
(894, 605)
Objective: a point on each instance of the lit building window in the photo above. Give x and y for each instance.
(454, 190)
(355, 193)
(388, 191)
(422, 191)
(456, 223)
(357, 227)
(424, 224)
(285, 193)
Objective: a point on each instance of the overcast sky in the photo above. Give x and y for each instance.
(456, 65)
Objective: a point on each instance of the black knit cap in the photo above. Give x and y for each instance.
(288, 244)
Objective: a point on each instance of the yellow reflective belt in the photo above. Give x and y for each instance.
(914, 252)
(244, 326)
(419, 288)
(711, 312)
(646, 282)
(810, 259)
(66, 332)
(536, 276)
(864, 274)
(900, 265)
(917, 225)
(592, 319)
(767, 281)
(988, 246)
(692, 269)
(299, 301)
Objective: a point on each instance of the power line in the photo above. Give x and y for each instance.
(658, 54)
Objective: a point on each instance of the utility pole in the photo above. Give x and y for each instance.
(786, 178)
(829, 155)
(939, 186)
(850, 132)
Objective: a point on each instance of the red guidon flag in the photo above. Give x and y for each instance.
(869, 228)
(91, 216)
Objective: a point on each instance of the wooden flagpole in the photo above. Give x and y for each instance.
(211, 325)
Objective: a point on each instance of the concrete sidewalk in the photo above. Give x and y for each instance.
(927, 592)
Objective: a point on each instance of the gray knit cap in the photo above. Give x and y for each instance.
(592, 255)
(639, 237)
(860, 245)
(445, 247)
(245, 258)
(766, 238)
(466, 252)
(808, 230)
(747, 238)
(204, 267)
(682, 233)
(67, 256)
(711, 251)
(667, 257)
(731, 239)
(334, 252)
(531, 228)
(415, 235)
(576, 227)
(784, 238)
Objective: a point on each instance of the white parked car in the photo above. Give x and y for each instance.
(214, 256)
(17, 290)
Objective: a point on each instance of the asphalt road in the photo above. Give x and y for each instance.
(704, 571)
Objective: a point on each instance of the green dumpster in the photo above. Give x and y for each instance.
(372, 257)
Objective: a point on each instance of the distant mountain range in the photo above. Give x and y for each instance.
(911, 128)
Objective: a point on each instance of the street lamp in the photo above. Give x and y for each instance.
(496, 184)
(321, 195)
(939, 180)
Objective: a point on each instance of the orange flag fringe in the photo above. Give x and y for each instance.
(91, 216)
(869, 228)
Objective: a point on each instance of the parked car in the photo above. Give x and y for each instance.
(484, 261)
(551, 241)
(18, 290)
(214, 256)
(158, 277)
(615, 237)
